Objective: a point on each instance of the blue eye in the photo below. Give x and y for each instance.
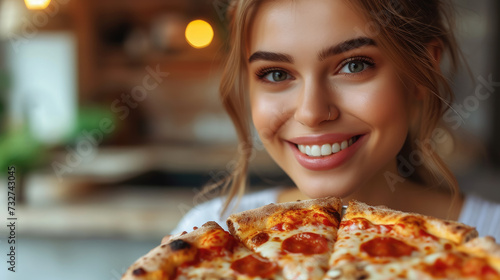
(274, 76)
(355, 66)
(277, 76)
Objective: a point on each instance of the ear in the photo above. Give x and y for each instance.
(435, 49)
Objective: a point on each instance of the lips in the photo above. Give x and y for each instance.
(325, 152)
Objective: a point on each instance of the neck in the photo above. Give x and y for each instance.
(377, 191)
(382, 189)
(389, 189)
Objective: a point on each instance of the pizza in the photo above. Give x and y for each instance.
(298, 236)
(380, 243)
(208, 252)
(311, 239)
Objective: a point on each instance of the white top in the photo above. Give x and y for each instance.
(483, 215)
(477, 212)
(210, 210)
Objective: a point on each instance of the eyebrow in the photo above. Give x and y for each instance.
(346, 46)
(330, 51)
(270, 56)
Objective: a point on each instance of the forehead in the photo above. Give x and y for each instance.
(301, 25)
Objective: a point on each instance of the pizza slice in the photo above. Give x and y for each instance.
(474, 260)
(380, 243)
(485, 248)
(208, 252)
(299, 235)
(480, 258)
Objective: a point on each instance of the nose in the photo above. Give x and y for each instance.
(314, 105)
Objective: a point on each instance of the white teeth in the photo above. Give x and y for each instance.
(344, 145)
(335, 148)
(326, 149)
(315, 151)
(302, 149)
(308, 151)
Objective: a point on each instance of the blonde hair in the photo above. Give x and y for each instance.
(403, 29)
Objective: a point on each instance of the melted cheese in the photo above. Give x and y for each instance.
(298, 266)
(348, 251)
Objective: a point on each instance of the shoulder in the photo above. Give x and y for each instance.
(482, 214)
(211, 210)
(198, 215)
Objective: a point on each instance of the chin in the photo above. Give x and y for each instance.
(318, 190)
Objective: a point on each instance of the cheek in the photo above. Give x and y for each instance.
(267, 116)
(382, 105)
(390, 112)
(259, 113)
(258, 118)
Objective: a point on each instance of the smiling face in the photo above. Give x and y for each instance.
(329, 107)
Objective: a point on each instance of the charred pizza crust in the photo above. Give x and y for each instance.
(162, 261)
(206, 253)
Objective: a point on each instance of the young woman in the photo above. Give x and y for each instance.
(347, 98)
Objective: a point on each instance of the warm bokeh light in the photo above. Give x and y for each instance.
(37, 4)
(199, 33)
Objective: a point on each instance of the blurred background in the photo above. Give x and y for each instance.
(109, 111)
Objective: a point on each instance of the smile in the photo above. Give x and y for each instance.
(327, 149)
(317, 154)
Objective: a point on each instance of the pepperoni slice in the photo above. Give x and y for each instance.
(254, 266)
(387, 247)
(306, 243)
(260, 239)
